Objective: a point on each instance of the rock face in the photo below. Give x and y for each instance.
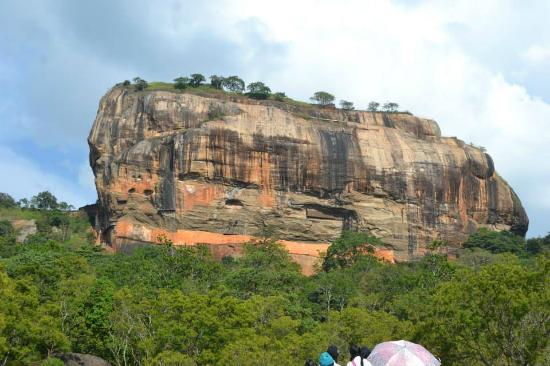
(216, 169)
(24, 228)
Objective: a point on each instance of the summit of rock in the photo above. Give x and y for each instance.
(217, 168)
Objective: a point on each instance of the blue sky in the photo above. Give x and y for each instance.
(478, 68)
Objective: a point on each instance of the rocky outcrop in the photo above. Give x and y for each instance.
(23, 228)
(79, 359)
(216, 169)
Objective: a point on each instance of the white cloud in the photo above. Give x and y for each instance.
(23, 178)
(537, 54)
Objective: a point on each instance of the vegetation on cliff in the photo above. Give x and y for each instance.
(177, 306)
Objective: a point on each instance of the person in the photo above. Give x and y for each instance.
(359, 356)
(354, 352)
(310, 362)
(326, 359)
(333, 352)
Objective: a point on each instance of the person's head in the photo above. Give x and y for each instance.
(310, 362)
(333, 352)
(326, 359)
(365, 352)
(354, 351)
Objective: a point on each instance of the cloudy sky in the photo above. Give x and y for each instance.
(480, 68)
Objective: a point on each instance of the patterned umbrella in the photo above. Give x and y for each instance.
(401, 353)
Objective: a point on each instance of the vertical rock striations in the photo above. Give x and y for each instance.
(217, 169)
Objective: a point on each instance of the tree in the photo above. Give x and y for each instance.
(6, 228)
(196, 80)
(538, 245)
(258, 90)
(498, 315)
(390, 107)
(23, 203)
(233, 84)
(346, 250)
(322, 98)
(495, 241)
(373, 106)
(6, 200)
(44, 201)
(280, 96)
(181, 83)
(348, 106)
(140, 84)
(216, 81)
(126, 83)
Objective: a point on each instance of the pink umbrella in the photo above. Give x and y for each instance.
(402, 353)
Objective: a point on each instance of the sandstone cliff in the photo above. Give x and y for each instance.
(215, 169)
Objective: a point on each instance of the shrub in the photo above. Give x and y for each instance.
(280, 96)
(181, 83)
(345, 105)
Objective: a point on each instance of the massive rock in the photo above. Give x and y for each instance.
(217, 168)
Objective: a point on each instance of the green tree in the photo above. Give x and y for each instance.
(233, 84)
(322, 98)
(390, 107)
(196, 80)
(6, 201)
(538, 245)
(126, 83)
(345, 251)
(345, 105)
(6, 228)
(181, 83)
(258, 90)
(44, 201)
(498, 315)
(373, 107)
(140, 84)
(495, 241)
(216, 81)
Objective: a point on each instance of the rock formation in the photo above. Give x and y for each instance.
(217, 168)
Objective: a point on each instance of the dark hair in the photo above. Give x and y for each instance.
(333, 352)
(309, 362)
(365, 352)
(354, 351)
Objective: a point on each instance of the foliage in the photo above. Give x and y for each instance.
(322, 98)
(6, 228)
(345, 105)
(495, 241)
(6, 201)
(216, 81)
(140, 84)
(181, 83)
(373, 106)
(346, 250)
(390, 107)
(258, 90)
(196, 80)
(44, 201)
(280, 96)
(538, 245)
(233, 84)
(170, 305)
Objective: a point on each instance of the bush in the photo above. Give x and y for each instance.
(233, 84)
(280, 96)
(181, 83)
(6, 228)
(345, 105)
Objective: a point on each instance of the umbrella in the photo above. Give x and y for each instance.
(401, 353)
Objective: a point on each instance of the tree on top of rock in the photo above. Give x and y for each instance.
(373, 106)
(197, 80)
(140, 84)
(181, 82)
(233, 84)
(216, 81)
(348, 106)
(322, 98)
(390, 107)
(258, 90)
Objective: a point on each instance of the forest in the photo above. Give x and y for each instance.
(168, 305)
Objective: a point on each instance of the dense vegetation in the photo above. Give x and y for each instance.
(162, 305)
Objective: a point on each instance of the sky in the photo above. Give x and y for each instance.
(479, 68)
